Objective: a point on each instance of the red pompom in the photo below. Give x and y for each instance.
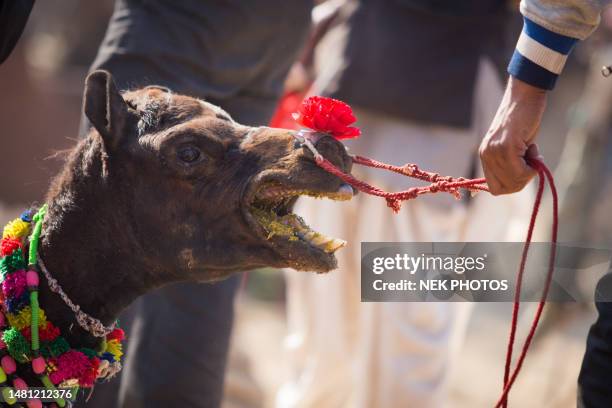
(89, 376)
(8, 245)
(327, 115)
(117, 334)
(48, 332)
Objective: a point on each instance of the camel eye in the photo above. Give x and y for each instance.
(189, 154)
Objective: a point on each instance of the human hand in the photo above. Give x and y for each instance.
(510, 138)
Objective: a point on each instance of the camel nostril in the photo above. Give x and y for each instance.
(329, 146)
(334, 151)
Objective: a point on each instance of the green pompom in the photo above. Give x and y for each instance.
(7, 396)
(17, 345)
(102, 346)
(55, 348)
(88, 352)
(12, 262)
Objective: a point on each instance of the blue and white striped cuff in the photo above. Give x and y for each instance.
(540, 55)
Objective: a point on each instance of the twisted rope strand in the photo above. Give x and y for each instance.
(87, 322)
(519, 281)
(543, 172)
(438, 184)
(412, 170)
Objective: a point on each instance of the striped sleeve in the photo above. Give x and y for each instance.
(540, 55)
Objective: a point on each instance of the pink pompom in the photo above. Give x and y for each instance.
(39, 365)
(2, 319)
(8, 364)
(32, 279)
(71, 364)
(14, 284)
(34, 404)
(20, 384)
(2, 344)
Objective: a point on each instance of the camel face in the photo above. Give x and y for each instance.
(200, 195)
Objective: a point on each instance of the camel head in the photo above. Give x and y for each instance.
(176, 182)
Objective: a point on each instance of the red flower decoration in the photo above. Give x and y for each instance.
(327, 115)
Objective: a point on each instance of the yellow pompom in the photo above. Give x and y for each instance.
(24, 318)
(114, 347)
(16, 229)
(51, 367)
(69, 383)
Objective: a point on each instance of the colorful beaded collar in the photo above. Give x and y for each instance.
(28, 336)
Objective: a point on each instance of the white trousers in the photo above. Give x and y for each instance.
(344, 353)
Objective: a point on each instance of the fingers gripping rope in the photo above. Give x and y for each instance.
(453, 185)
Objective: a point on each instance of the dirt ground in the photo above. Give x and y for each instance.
(548, 378)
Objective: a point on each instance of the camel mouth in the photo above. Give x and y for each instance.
(271, 209)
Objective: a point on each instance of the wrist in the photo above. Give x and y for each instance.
(522, 90)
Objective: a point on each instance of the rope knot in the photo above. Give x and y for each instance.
(435, 187)
(441, 185)
(394, 203)
(410, 169)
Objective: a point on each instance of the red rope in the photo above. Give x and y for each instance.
(519, 283)
(543, 173)
(453, 185)
(438, 183)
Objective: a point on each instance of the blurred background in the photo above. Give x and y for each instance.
(41, 86)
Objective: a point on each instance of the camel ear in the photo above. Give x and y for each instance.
(105, 107)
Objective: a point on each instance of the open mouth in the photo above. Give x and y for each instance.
(271, 208)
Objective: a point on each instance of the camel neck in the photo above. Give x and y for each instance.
(98, 274)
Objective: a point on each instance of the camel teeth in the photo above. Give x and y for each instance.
(345, 192)
(295, 223)
(320, 240)
(335, 244)
(309, 236)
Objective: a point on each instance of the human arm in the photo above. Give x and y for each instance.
(550, 31)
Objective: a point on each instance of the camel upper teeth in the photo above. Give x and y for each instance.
(345, 192)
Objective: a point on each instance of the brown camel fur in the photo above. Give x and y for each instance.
(168, 188)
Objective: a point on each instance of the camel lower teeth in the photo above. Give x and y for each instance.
(319, 240)
(334, 245)
(293, 227)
